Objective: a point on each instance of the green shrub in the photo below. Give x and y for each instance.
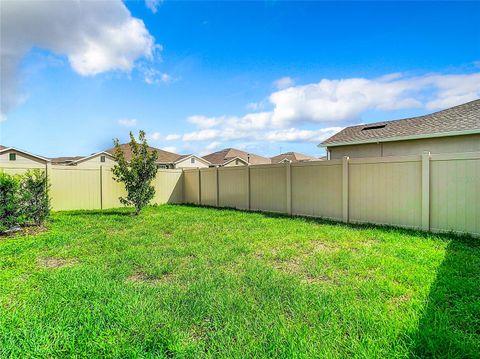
(10, 209)
(34, 197)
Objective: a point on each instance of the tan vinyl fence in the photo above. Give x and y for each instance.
(94, 188)
(439, 192)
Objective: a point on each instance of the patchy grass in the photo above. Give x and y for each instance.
(198, 282)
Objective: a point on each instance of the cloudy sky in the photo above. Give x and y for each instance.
(265, 76)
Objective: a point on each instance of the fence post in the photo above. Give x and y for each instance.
(288, 181)
(217, 188)
(345, 188)
(101, 186)
(48, 173)
(248, 188)
(199, 187)
(426, 191)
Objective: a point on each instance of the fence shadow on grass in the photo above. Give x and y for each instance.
(450, 325)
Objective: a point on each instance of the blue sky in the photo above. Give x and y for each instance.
(200, 76)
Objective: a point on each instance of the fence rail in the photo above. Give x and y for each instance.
(439, 192)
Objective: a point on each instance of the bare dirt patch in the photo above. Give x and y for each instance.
(52, 262)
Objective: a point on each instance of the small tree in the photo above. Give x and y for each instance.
(34, 199)
(137, 173)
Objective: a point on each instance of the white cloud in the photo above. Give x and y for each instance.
(298, 135)
(253, 106)
(211, 147)
(153, 76)
(202, 135)
(154, 136)
(172, 137)
(127, 122)
(204, 121)
(332, 104)
(95, 36)
(170, 149)
(153, 5)
(347, 99)
(283, 82)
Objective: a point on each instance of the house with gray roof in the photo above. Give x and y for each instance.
(292, 157)
(233, 157)
(455, 129)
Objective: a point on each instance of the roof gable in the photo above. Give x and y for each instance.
(6, 149)
(291, 157)
(452, 121)
(226, 155)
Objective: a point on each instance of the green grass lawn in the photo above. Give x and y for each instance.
(182, 281)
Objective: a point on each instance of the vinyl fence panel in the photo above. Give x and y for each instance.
(268, 188)
(208, 181)
(455, 193)
(386, 191)
(191, 186)
(233, 187)
(317, 189)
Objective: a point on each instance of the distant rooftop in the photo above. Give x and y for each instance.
(292, 157)
(221, 157)
(455, 120)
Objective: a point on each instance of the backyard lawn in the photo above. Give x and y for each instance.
(182, 281)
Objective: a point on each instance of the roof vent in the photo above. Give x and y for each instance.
(374, 127)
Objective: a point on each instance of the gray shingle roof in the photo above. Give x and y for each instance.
(164, 157)
(219, 158)
(464, 117)
(292, 156)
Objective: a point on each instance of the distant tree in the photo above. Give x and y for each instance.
(136, 173)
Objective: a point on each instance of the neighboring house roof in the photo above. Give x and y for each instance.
(86, 158)
(184, 157)
(65, 160)
(461, 119)
(292, 157)
(226, 155)
(164, 157)
(6, 149)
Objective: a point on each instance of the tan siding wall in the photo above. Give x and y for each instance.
(317, 189)
(356, 151)
(268, 188)
(386, 192)
(95, 162)
(209, 186)
(187, 163)
(454, 144)
(234, 163)
(233, 187)
(22, 163)
(455, 194)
